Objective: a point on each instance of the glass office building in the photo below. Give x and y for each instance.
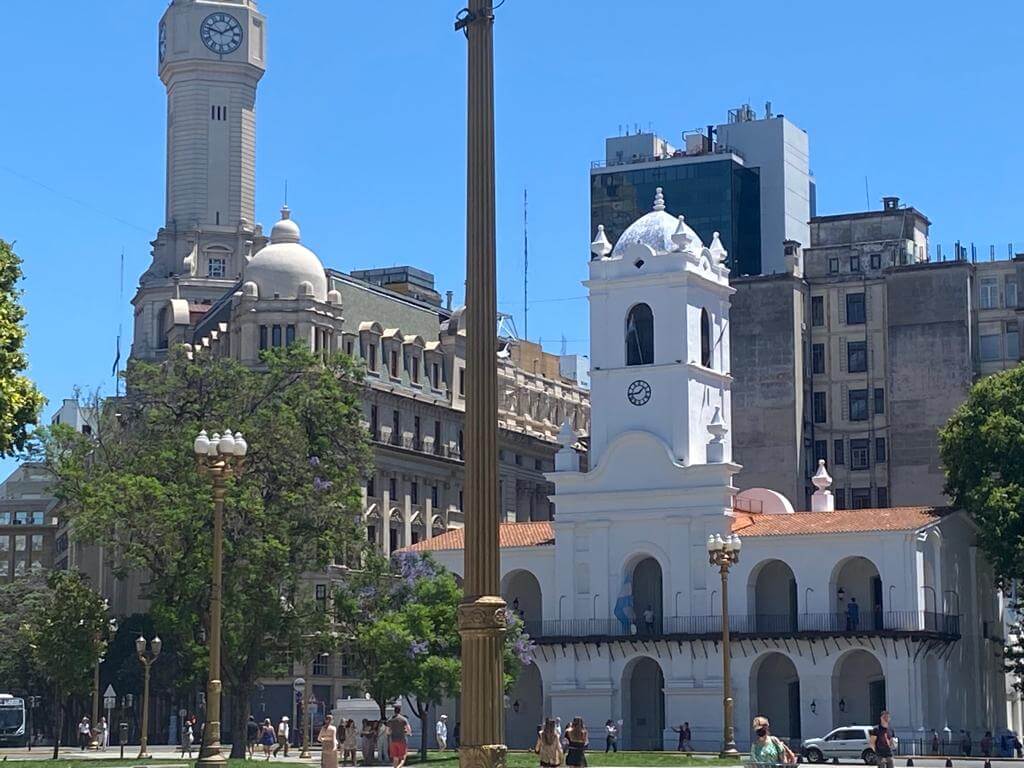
(718, 195)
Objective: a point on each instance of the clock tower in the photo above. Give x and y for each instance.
(211, 55)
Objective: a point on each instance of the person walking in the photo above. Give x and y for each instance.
(349, 741)
(383, 744)
(267, 737)
(188, 738)
(649, 619)
(935, 742)
(104, 734)
(399, 731)
(766, 749)
(283, 730)
(456, 733)
(549, 746)
(611, 740)
(442, 732)
(986, 744)
(576, 738)
(84, 733)
(881, 741)
(252, 735)
(328, 738)
(684, 737)
(368, 741)
(852, 615)
(966, 744)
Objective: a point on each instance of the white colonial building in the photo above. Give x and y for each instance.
(617, 590)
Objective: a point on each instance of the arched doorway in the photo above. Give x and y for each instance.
(525, 709)
(858, 689)
(857, 595)
(775, 693)
(640, 335)
(643, 706)
(774, 593)
(647, 596)
(521, 591)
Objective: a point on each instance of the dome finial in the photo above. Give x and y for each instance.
(600, 247)
(286, 230)
(681, 237)
(286, 212)
(659, 200)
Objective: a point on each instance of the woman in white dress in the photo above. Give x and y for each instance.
(329, 744)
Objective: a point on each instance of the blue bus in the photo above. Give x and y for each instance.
(13, 732)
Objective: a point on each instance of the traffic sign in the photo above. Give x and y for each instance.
(299, 684)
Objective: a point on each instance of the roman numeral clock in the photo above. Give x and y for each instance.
(221, 33)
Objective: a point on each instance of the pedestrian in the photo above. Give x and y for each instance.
(986, 744)
(187, 738)
(576, 738)
(442, 732)
(348, 744)
(367, 741)
(558, 729)
(852, 615)
(684, 737)
(283, 730)
(84, 733)
(267, 737)
(549, 746)
(381, 730)
(328, 738)
(611, 740)
(104, 734)
(935, 742)
(966, 744)
(649, 619)
(399, 731)
(456, 732)
(1018, 746)
(766, 749)
(252, 735)
(881, 741)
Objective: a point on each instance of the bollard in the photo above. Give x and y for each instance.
(949, 763)
(910, 762)
(988, 763)
(835, 761)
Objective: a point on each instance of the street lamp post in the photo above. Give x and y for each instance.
(147, 662)
(482, 614)
(725, 553)
(219, 458)
(95, 734)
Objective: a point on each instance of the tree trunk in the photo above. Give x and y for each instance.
(421, 713)
(57, 717)
(239, 716)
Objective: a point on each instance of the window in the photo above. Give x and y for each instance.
(289, 335)
(437, 437)
(394, 363)
(37, 542)
(820, 451)
(416, 431)
(839, 494)
(988, 290)
(462, 382)
(880, 450)
(19, 543)
(460, 446)
(263, 337)
(275, 336)
(371, 486)
(374, 424)
(538, 464)
(989, 348)
(860, 498)
(5, 544)
(876, 261)
(859, 458)
(435, 375)
(1012, 340)
(321, 597)
(433, 496)
(371, 358)
(414, 492)
(396, 425)
(858, 405)
(215, 267)
(833, 266)
(820, 416)
(705, 338)
(879, 400)
(5, 519)
(392, 488)
(883, 496)
(838, 454)
(460, 499)
(855, 263)
(817, 310)
(321, 664)
(640, 336)
(855, 309)
(817, 358)
(1010, 291)
(415, 369)
(857, 356)
(348, 347)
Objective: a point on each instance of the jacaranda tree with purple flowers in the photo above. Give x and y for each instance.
(400, 620)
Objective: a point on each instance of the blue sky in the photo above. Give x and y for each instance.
(362, 111)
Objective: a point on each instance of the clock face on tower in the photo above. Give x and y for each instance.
(639, 392)
(162, 45)
(221, 33)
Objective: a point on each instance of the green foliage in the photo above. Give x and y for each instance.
(133, 486)
(20, 401)
(982, 450)
(21, 601)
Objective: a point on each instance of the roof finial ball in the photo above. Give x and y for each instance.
(822, 499)
(659, 200)
(601, 246)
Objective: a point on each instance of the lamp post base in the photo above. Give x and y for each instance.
(485, 756)
(729, 751)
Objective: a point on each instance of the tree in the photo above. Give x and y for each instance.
(982, 451)
(399, 620)
(133, 487)
(20, 401)
(20, 601)
(66, 636)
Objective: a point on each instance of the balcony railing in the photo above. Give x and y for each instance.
(758, 625)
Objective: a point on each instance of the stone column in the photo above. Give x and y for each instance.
(482, 612)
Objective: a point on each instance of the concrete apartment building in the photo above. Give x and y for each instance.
(747, 179)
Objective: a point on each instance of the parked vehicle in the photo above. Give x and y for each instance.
(851, 742)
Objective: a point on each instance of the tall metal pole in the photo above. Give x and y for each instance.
(210, 755)
(729, 731)
(95, 736)
(144, 737)
(482, 617)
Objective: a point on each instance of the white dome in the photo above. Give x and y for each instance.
(655, 229)
(280, 268)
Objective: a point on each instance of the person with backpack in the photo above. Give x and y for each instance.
(881, 741)
(766, 749)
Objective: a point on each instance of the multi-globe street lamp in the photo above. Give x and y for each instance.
(725, 553)
(146, 661)
(220, 458)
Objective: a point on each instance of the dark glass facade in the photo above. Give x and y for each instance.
(719, 195)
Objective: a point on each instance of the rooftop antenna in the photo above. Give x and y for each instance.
(867, 196)
(526, 274)
(286, 191)
(117, 353)
(563, 344)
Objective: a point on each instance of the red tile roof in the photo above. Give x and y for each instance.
(840, 521)
(509, 535)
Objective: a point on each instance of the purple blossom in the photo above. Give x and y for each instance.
(417, 648)
(320, 484)
(412, 567)
(314, 461)
(524, 648)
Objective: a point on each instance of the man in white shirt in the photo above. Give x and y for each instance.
(283, 732)
(442, 733)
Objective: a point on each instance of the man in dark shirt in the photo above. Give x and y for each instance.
(881, 741)
(252, 735)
